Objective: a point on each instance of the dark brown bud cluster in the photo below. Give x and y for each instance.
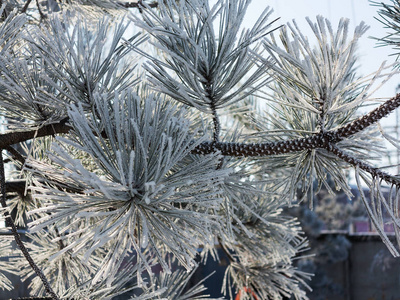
(261, 149)
(369, 119)
(324, 140)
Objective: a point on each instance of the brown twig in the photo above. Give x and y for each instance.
(16, 155)
(25, 8)
(17, 237)
(42, 15)
(11, 138)
(138, 4)
(363, 166)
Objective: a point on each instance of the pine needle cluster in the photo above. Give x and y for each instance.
(119, 164)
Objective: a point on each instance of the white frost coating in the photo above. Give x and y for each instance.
(145, 231)
(183, 35)
(121, 167)
(376, 216)
(148, 159)
(150, 186)
(131, 182)
(147, 199)
(138, 188)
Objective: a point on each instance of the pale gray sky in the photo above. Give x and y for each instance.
(371, 56)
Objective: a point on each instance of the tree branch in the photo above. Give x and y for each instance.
(16, 186)
(11, 138)
(371, 118)
(326, 140)
(138, 4)
(17, 237)
(375, 172)
(16, 155)
(262, 149)
(25, 8)
(318, 140)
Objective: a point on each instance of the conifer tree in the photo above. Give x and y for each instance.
(122, 155)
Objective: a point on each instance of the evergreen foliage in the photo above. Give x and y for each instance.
(124, 166)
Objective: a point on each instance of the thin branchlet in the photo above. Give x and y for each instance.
(138, 4)
(25, 8)
(17, 237)
(217, 124)
(33, 298)
(375, 172)
(11, 138)
(15, 154)
(42, 15)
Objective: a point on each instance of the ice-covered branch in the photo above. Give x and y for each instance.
(375, 172)
(17, 236)
(138, 4)
(11, 138)
(319, 140)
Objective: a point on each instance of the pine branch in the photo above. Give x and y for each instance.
(17, 237)
(11, 138)
(138, 4)
(15, 186)
(320, 140)
(375, 172)
(25, 8)
(369, 119)
(325, 140)
(16, 155)
(259, 149)
(33, 298)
